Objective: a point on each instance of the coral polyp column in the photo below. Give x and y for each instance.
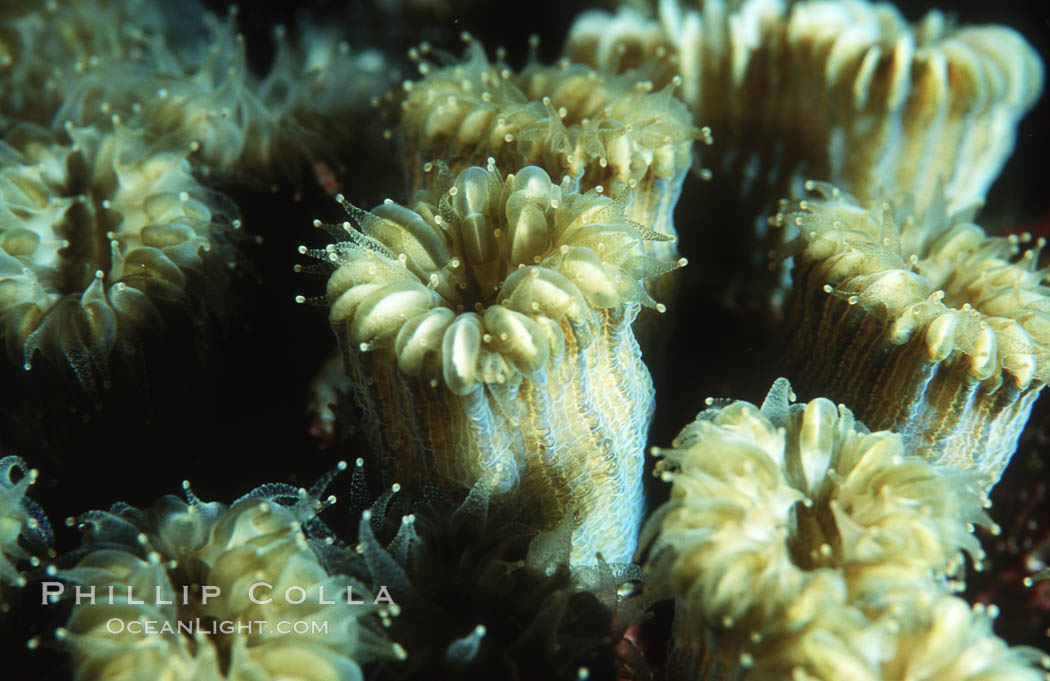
(486, 330)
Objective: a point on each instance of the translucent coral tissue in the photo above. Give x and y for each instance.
(486, 331)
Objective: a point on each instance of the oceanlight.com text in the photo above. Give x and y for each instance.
(212, 627)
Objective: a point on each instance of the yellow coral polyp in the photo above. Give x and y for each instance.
(45, 47)
(235, 122)
(844, 91)
(94, 233)
(781, 514)
(854, 93)
(485, 329)
(927, 636)
(606, 132)
(960, 319)
(20, 521)
(622, 42)
(475, 283)
(255, 540)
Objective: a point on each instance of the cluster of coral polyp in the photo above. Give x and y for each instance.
(485, 326)
(486, 318)
(109, 217)
(46, 47)
(846, 91)
(797, 544)
(920, 322)
(856, 94)
(207, 592)
(486, 330)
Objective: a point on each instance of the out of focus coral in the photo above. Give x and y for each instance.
(313, 102)
(844, 91)
(24, 530)
(429, 8)
(920, 322)
(328, 386)
(626, 41)
(96, 234)
(16, 9)
(45, 46)
(154, 568)
(854, 94)
(793, 535)
(605, 132)
(487, 325)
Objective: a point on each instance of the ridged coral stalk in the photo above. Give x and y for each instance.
(487, 329)
(919, 321)
(852, 93)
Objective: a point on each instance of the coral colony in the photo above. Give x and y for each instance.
(502, 294)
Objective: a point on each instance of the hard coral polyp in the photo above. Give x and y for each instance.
(792, 524)
(487, 327)
(845, 91)
(207, 587)
(23, 527)
(45, 47)
(919, 321)
(618, 43)
(259, 128)
(609, 133)
(95, 233)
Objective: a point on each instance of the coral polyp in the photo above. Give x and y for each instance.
(928, 636)
(847, 92)
(791, 522)
(237, 123)
(856, 94)
(95, 233)
(24, 530)
(161, 563)
(955, 323)
(487, 326)
(502, 203)
(600, 130)
(622, 42)
(45, 47)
